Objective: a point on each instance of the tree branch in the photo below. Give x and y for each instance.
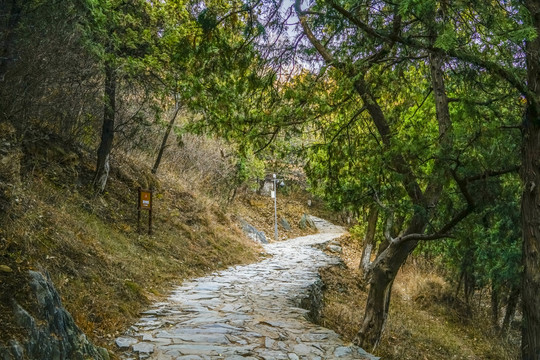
(370, 102)
(328, 58)
(444, 232)
(274, 134)
(492, 173)
(389, 220)
(358, 113)
(391, 37)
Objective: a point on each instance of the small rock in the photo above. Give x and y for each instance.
(306, 221)
(342, 351)
(269, 343)
(302, 349)
(293, 356)
(253, 233)
(143, 348)
(335, 249)
(125, 342)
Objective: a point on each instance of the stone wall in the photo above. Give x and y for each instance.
(314, 302)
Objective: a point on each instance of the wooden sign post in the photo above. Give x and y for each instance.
(144, 203)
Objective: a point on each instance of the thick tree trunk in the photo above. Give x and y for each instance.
(166, 136)
(383, 272)
(369, 240)
(530, 204)
(530, 215)
(107, 130)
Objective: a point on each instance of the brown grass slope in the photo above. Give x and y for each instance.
(105, 271)
(425, 320)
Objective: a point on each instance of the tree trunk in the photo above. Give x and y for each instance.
(166, 136)
(107, 130)
(511, 305)
(383, 273)
(530, 204)
(369, 241)
(389, 261)
(8, 32)
(494, 307)
(530, 215)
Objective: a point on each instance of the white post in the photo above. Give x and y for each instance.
(275, 208)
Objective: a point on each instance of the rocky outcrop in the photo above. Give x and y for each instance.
(285, 224)
(49, 330)
(253, 233)
(305, 222)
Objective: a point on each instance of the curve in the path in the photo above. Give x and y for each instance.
(245, 312)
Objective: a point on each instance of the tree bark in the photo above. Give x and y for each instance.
(530, 217)
(369, 240)
(166, 135)
(495, 307)
(9, 35)
(383, 273)
(107, 130)
(530, 205)
(511, 305)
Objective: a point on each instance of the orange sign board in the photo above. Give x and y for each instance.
(145, 199)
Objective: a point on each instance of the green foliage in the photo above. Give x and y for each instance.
(248, 168)
(487, 245)
(387, 56)
(447, 39)
(420, 8)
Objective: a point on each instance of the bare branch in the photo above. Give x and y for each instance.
(519, 127)
(421, 104)
(481, 103)
(274, 134)
(492, 173)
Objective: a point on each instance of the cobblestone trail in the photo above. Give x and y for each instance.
(245, 312)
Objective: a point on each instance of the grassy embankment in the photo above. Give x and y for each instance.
(106, 272)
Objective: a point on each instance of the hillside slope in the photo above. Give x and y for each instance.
(104, 269)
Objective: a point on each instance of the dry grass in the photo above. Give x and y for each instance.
(106, 272)
(425, 321)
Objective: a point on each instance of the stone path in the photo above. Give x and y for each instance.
(246, 312)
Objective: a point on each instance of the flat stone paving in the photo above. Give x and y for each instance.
(245, 312)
